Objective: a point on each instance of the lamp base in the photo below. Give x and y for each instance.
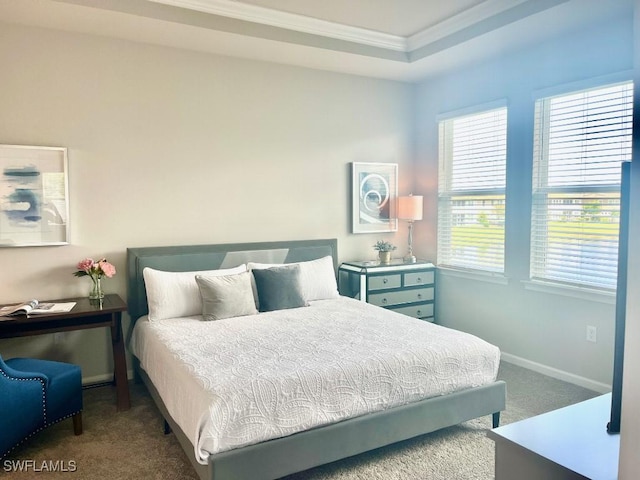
(410, 259)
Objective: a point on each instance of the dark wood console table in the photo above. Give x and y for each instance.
(85, 314)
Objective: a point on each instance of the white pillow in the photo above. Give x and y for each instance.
(317, 277)
(176, 294)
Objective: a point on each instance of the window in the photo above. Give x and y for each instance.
(580, 140)
(471, 190)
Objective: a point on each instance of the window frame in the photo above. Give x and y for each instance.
(447, 193)
(541, 189)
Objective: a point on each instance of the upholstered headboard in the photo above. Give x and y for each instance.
(211, 257)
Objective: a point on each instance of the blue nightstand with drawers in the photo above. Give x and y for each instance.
(407, 288)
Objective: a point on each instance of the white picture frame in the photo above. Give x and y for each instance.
(34, 196)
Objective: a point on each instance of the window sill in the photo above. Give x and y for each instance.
(489, 277)
(583, 293)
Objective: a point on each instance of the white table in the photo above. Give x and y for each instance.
(565, 444)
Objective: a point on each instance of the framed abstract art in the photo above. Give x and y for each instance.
(374, 196)
(34, 206)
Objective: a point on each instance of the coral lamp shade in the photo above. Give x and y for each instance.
(410, 207)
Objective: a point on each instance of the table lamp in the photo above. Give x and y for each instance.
(410, 209)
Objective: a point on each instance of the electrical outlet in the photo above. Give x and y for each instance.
(591, 333)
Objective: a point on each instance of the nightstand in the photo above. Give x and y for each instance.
(407, 288)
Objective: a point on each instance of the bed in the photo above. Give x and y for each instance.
(170, 350)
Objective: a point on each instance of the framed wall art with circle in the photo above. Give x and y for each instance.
(374, 197)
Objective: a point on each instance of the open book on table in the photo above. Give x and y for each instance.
(33, 307)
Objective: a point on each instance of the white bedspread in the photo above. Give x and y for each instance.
(243, 380)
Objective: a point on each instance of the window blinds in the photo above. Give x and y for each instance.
(471, 190)
(580, 140)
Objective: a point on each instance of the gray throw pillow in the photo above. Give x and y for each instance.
(226, 296)
(279, 288)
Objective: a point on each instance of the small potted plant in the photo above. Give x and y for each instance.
(384, 250)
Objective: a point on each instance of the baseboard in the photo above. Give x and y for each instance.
(105, 378)
(555, 373)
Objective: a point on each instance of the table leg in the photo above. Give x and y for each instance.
(120, 363)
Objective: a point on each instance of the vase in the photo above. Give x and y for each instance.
(385, 257)
(96, 292)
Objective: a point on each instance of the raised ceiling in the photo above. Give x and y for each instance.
(406, 40)
(400, 17)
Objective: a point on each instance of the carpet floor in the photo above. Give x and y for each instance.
(131, 445)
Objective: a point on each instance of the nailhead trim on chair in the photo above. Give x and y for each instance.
(44, 407)
(44, 410)
(44, 400)
(37, 431)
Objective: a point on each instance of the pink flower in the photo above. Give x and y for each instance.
(86, 265)
(95, 270)
(107, 269)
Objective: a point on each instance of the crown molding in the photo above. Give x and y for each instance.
(292, 21)
(458, 22)
(301, 23)
(177, 24)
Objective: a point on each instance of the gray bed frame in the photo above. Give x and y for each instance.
(301, 451)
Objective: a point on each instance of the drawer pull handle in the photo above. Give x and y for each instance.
(419, 312)
(419, 279)
(384, 300)
(419, 295)
(384, 280)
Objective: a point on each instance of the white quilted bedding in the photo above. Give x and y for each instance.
(243, 380)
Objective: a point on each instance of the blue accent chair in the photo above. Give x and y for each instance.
(35, 394)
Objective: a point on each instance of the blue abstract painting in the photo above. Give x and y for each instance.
(33, 196)
(22, 205)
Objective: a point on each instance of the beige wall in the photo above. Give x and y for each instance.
(172, 147)
(540, 330)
